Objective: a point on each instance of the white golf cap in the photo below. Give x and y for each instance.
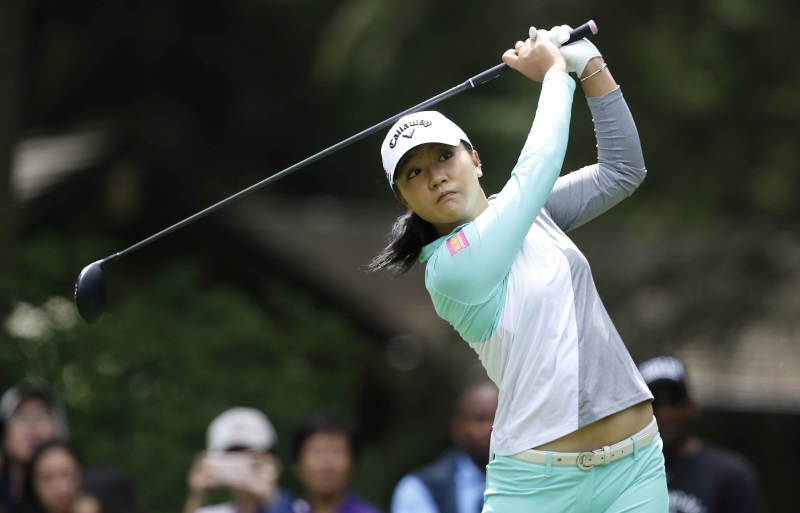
(241, 428)
(413, 130)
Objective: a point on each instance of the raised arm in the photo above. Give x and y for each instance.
(582, 195)
(459, 280)
(498, 232)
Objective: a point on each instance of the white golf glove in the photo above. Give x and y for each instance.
(576, 54)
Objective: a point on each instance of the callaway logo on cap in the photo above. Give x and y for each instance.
(413, 130)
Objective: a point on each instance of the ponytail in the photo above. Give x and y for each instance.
(410, 233)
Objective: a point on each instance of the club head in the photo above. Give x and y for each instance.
(90, 292)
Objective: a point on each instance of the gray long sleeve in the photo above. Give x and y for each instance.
(582, 195)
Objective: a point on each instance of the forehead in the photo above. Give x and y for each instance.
(423, 151)
(427, 147)
(32, 403)
(478, 400)
(327, 438)
(56, 458)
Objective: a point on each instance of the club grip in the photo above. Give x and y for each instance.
(585, 30)
(576, 34)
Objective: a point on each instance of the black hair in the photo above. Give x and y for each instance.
(409, 234)
(329, 423)
(30, 497)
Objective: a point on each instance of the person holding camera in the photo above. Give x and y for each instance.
(238, 458)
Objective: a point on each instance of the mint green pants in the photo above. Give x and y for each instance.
(637, 483)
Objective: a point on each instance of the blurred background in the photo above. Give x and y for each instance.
(119, 118)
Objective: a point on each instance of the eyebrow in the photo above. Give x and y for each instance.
(405, 158)
(413, 151)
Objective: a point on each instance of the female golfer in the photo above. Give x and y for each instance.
(574, 429)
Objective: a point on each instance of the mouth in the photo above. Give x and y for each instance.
(443, 196)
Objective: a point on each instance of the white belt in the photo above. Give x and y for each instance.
(588, 459)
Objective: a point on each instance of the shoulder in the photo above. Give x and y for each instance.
(225, 507)
(284, 503)
(410, 486)
(444, 464)
(430, 248)
(723, 456)
(411, 495)
(726, 461)
(25, 507)
(355, 504)
(301, 506)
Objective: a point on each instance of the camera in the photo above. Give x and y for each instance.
(229, 468)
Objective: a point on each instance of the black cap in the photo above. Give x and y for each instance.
(664, 370)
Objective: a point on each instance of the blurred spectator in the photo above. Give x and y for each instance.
(455, 482)
(53, 482)
(324, 451)
(2, 460)
(238, 459)
(32, 415)
(700, 476)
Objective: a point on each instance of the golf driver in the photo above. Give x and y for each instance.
(90, 287)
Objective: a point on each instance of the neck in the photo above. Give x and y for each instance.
(480, 461)
(16, 472)
(480, 208)
(327, 503)
(247, 504)
(688, 448)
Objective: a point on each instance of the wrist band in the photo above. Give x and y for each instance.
(601, 68)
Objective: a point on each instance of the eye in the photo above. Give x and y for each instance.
(412, 173)
(446, 155)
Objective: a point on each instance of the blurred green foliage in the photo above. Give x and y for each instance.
(142, 384)
(242, 89)
(203, 98)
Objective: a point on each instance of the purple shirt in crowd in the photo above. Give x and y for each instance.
(352, 504)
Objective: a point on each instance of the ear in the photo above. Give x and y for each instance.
(691, 407)
(401, 200)
(476, 160)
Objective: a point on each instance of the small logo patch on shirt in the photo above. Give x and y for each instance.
(457, 242)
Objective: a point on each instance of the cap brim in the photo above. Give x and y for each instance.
(667, 382)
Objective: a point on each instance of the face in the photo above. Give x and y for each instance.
(31, 424)
(440, 184)
(325, 463)
(472, 426)
(56, 480)
(674, 412)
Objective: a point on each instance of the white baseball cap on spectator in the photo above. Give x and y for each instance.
(241, 428)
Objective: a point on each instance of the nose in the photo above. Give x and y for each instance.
(437, 176)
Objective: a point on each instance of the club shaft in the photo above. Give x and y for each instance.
(583, 31)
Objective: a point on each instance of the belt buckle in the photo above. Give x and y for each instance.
(582, 463)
